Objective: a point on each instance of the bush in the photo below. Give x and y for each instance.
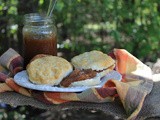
(86, 25)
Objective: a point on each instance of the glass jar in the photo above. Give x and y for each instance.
(39, 36)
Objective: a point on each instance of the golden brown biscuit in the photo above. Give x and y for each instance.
(47, 69)
(95, 60)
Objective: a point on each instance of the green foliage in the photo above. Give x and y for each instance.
(86, 25)
(106, 24)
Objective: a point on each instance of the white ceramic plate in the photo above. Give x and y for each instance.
(22, 79)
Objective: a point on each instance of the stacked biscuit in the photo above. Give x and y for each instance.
(84, 70)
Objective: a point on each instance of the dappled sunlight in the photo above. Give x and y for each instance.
(156, 77)
(143, 71)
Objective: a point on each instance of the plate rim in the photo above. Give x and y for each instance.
(60, 89)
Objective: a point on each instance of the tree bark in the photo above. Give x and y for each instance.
(3, 29)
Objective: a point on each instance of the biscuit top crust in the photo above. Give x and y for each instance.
(48, 70)
(95, 60)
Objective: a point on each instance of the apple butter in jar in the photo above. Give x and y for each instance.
(39, 36)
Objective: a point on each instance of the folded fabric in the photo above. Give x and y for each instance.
(135, 85)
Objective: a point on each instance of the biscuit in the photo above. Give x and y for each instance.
(95, 60)
(48, 69)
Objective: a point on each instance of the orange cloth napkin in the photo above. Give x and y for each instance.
(135, 85)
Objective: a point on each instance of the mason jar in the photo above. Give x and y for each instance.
(39, 36)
